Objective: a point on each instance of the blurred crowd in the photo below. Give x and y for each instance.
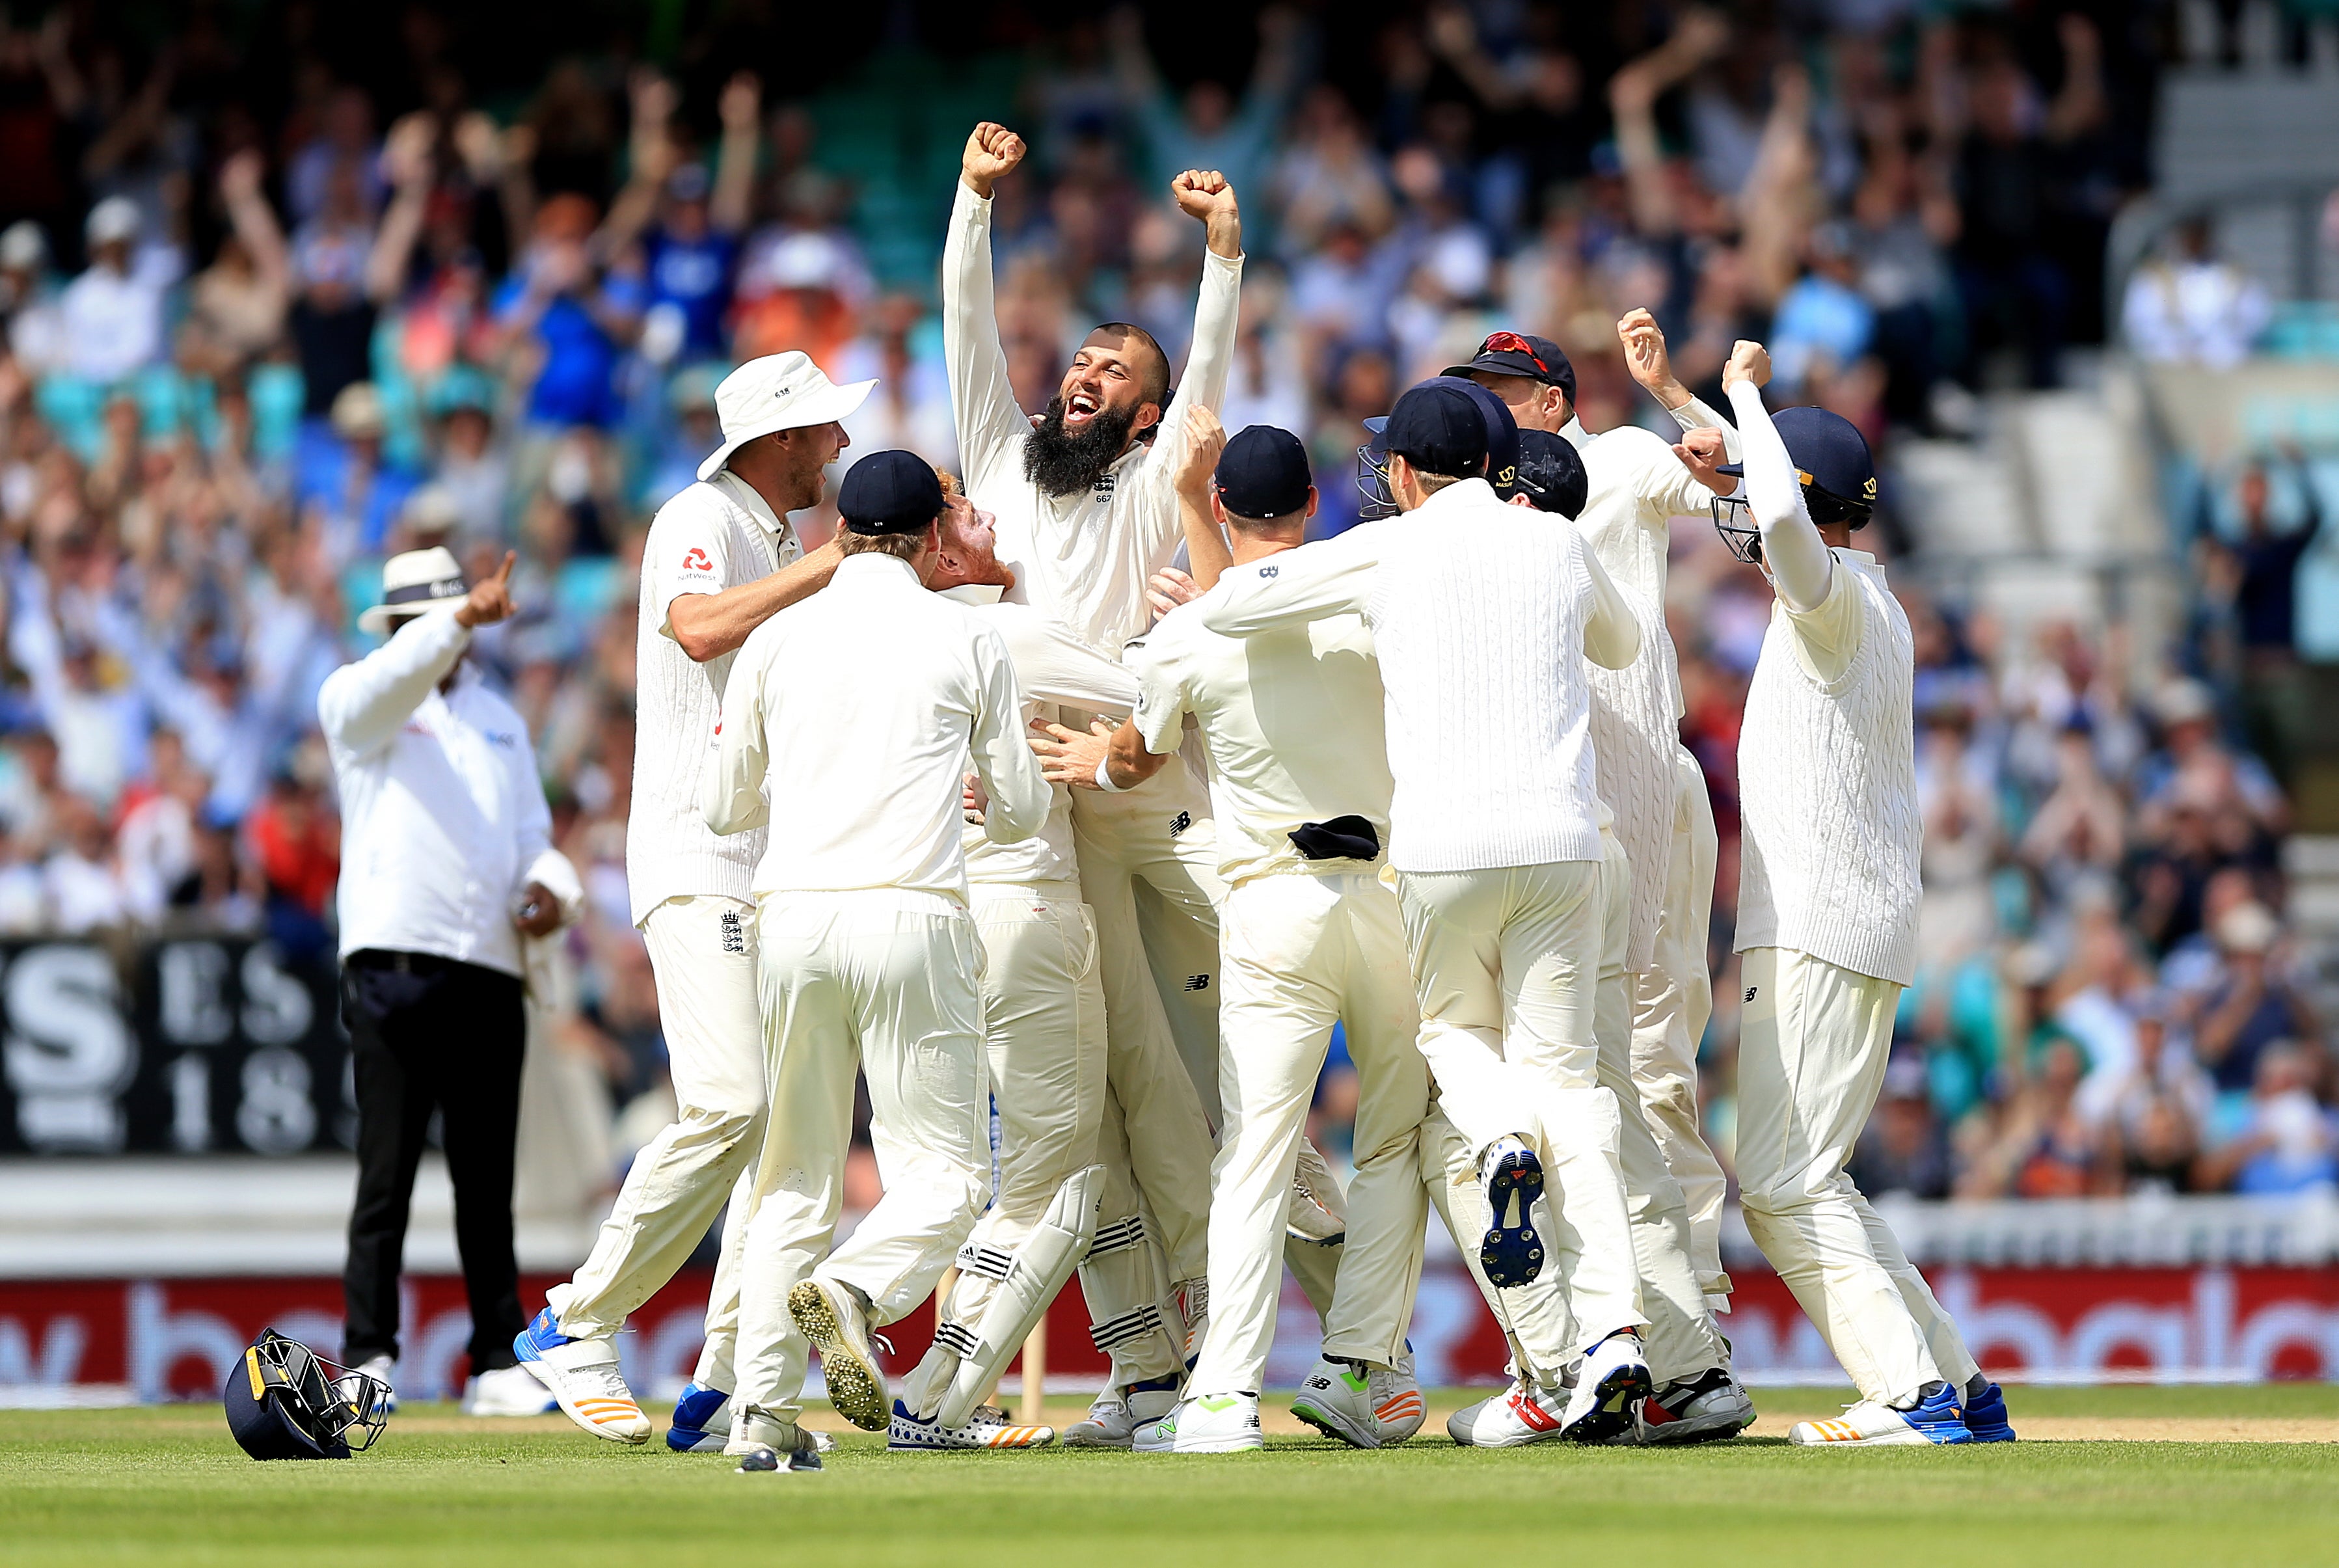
(256, 341)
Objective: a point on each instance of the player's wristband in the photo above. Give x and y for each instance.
(1104, 775)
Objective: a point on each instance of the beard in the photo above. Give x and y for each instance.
(1064, 462)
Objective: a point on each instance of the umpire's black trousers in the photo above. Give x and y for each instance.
(431, 1034)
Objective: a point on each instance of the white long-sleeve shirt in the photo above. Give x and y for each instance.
(1833, 834)
(851, 716)
(1055, 670)
(713, 535)
(1635, 488)
(1483, 615)
(1081, 559)
(443, 817)
(1293, 719)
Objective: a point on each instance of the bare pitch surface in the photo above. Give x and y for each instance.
(167, 1486)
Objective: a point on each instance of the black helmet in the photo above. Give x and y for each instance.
(284, 1401)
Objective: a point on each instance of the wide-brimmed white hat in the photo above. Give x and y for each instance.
(777, 393)
(418, 583)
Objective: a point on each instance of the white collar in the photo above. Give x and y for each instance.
(975, 592)
(872, 565)
(747, 495)
(1460, 494)
(1575, 434)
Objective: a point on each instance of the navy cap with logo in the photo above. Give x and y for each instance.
(1522, 354)
(1438, 429)
(1551, 474)
(1502, 429)
(1828, 452)
(1263, 473)
(890, 493)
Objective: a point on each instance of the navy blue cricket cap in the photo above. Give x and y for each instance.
(1551, 474)
(1263, 473)
(890, 493)
(1828, 452)
(1502, 429)
(1439, 429)
(1522, 354)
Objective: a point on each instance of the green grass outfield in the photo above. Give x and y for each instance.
(167, 1486)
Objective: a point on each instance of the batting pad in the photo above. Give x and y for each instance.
(1027, 1283)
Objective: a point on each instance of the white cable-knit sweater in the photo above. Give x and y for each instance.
(1636, 488)
(1827, 758)
(1827, 786)
(1477, 611)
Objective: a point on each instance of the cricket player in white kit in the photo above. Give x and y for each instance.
(1477, 610)
(867, 956)
(1311, 937)
(720, 561)
(1827, 922)
(1697, 1399)
(1043, 1030)
(1086, 515)
(1636, 484)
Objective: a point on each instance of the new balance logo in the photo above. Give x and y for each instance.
(1750, 993)
(1197, 982)
(734, 936)
(1266, 572)
(1180, 823)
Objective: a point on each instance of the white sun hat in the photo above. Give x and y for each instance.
(777, 393)
(418, 583)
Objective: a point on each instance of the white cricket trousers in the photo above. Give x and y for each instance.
(1506, 966)
(1681, 1339)
(1672, 1003)
(1302, 951)
(702, 957)
(1043, 1036)
(1812, 1042)
(1149, 872)
(884, 981)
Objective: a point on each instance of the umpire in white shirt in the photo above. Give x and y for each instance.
(447, 863)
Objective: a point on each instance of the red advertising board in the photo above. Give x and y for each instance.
(176, 1339)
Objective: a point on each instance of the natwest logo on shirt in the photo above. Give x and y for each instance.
(696, 561)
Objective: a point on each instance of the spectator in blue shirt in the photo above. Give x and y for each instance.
(563, 306)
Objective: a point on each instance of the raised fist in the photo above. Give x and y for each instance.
(1203, 193)
(991, 152)
(1749, 361)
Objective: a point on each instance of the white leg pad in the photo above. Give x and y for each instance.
(1028, 1282)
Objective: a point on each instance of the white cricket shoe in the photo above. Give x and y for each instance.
(829, 1317)
(512, 1391)
(1212, 1424)
(1192, 1297)
(1710, 1407)
(987, 1428)
(1314, 1209)
(384, 1370)
(1397, 1400)
(583, 1377)
(1869, 1425)
(764, 1443)
(1520, 1415)
(1114, 1416)
(1337, 1399)
(1612, 1379)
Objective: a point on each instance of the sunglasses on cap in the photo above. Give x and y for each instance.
(1512, 343)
